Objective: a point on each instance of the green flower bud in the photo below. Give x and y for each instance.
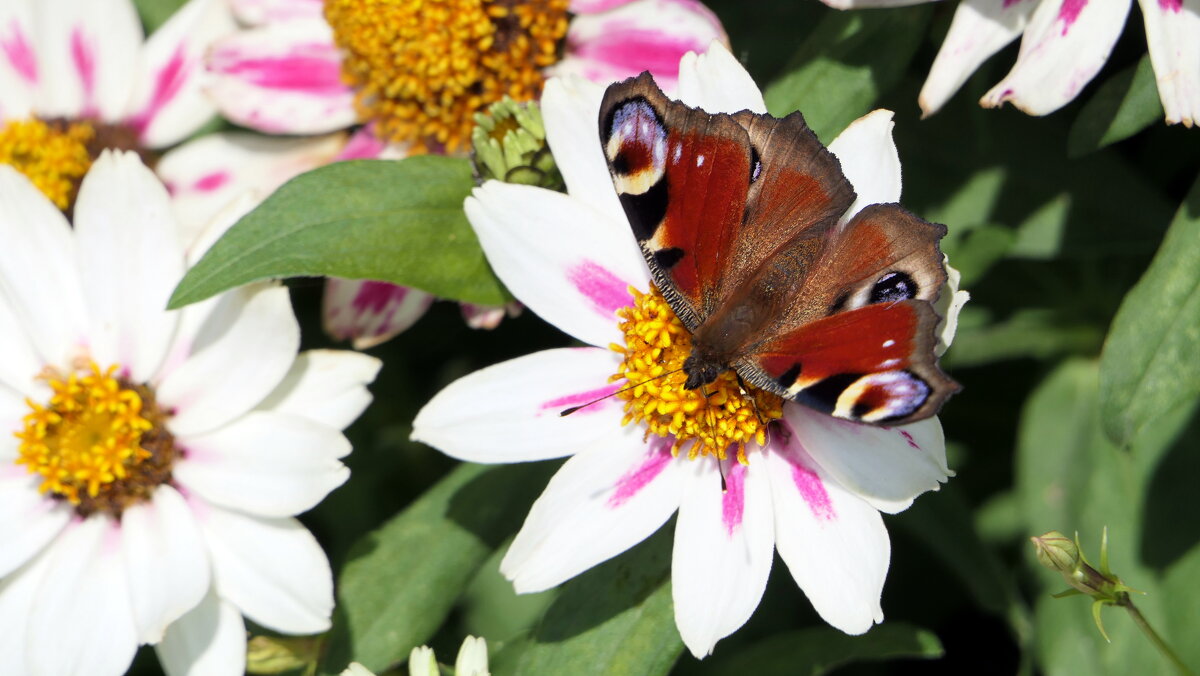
(276, 654)
(1063, 555)
(421, 662)
(509, 144)
(472, 658)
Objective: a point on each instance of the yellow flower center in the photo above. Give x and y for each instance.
(423, 68)
(53, 155)
(720, 416)
(99, 443)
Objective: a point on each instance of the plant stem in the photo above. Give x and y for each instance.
(1157, 640)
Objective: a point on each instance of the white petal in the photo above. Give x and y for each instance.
(949, 305)
(886, 466)
(869, 160)
(273, 570)
(369, 312)
(589, 6)
(1065, 45)
(558, 257)
(256, 12)
(205, 174)
(833, 543)
(18, 60)
(570, 108)
(868, 4)
(130, 258)
(168, 103)
(510, 412)
(86, 52)
(28, 519)
(166, 559)
(239, 355)
(601, 502)
(82, 621)
(18, 594)
(636, 36)
(979, 29)
(20, 364)
(724, 544)
(284, 78)
(39, 245)
(325, 386)
(716, 82)
(209, 639)
(1173, 37)
(264, 463)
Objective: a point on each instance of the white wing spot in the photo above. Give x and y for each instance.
(699, 160)
(889, 342)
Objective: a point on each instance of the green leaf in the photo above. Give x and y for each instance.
(1036, 333)
(1124, 105)
(155, 13)
(403, 579)
(1179, 592)
(1149, 363)
(617, 618)
(849, 60)
(394, 221)
(820, 650)
(974, 251)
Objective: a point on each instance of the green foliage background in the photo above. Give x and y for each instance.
(1078, 235)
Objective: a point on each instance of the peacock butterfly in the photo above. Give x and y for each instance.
(737, 216)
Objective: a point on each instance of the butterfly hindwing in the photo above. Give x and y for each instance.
(871, 364)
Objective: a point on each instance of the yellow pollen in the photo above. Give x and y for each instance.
(87, 437)
(656, 342)
(423, 68)
(54, 156)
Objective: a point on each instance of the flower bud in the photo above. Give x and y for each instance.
(276, 654)
(421, 662)
(472, 658)
(509, 144)
(1059, 553)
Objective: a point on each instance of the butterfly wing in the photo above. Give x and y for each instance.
(692, 185)
(858, 340)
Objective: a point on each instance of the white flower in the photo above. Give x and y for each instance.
(286, 72)
(158, 460)
(1064, 43)
(813, 491)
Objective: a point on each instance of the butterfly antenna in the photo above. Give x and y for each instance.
(712, 431)
(569, 411)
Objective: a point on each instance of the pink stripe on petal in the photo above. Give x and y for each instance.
(733, 501)
(20, 54)
(85, 66)
(313, 69)
(1171, 5)
(362, 145)
(653, 463)
(813, 491)
(1010, 3)
(580, 398)
(633, 49)
(605, 290)
(909, 438)
(1069, 12)
(213, 181)
(167, 83)
(375, 296)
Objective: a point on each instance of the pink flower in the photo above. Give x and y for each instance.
(1064, 43)
(813, 486)
(293, 70)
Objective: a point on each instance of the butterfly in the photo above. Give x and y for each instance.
(737, 216)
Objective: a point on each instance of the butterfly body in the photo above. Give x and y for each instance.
(739, 217)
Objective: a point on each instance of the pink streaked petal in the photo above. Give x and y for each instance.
(633, 482)
(1065, 45)
(18, 51)
(363, 145)
(488, 317)
(86, 53)
(1173, 37)
(169, 103)
(369, 313)
(886, 466)
(980, 28)
(256, 12)
(636, 36)
(834, 544)
(724, 543)
(510, 412)
(205, 175)
(282, 78)
(870, 4)
(558, 256)
(592, 6)
(576, 523)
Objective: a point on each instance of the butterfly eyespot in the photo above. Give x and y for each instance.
(755, 164)
(893, 287)
(636, 146)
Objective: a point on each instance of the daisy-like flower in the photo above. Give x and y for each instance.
(414, 74)
(154, 460)
(809, 486)
(77, 77)
(1064, 43)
